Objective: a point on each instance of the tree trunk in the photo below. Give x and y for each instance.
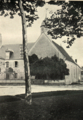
(26, 58)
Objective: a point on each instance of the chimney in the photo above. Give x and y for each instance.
(0, 40)
(76, 60)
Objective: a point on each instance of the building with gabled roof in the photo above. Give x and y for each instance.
(12, 55)
(45, 47)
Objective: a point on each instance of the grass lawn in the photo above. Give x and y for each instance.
(61, 105)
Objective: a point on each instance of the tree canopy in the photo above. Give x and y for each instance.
(11, 7)
(48, 68)
(67, 21)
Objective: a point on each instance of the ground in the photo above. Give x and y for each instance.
(48, 103)
(61, 105)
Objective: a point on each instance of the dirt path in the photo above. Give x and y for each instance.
(13, 90)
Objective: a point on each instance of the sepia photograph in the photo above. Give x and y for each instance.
(41, 60)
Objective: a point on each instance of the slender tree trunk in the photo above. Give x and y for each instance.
(26, 59)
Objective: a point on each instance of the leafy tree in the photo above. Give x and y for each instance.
(33, 58)
(27, 10)
(67, 21)
(49, 68)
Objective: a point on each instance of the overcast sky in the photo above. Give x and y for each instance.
(11, 32)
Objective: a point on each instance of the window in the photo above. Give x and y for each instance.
(15, 75)
(7, 55)
(16, 64)
(7, 64)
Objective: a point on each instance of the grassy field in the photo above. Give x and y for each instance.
(61, 105)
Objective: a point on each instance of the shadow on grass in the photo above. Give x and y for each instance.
(4, 99)
(59, 105)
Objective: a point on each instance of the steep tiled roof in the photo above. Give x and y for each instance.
(63, 52)
(15, 48)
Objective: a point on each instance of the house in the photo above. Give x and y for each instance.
(12, 55)
(44, 47)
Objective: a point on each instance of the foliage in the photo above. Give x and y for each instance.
(67, 21)
(33, 58)
(48, 68)
(11, 7)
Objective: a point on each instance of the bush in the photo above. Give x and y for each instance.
(48, 68)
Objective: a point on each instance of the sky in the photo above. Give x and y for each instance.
(11, 31)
